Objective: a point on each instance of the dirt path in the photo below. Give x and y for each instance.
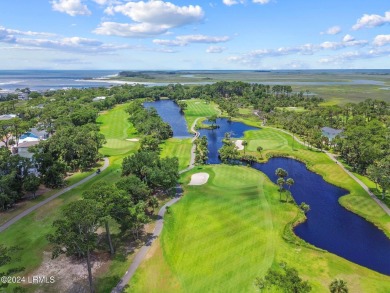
(38, 205)
(159, 224)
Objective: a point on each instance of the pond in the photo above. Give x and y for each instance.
(170, 113)
(215, 136)
(329, 226)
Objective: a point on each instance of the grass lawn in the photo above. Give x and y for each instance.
(292, 109)
(116, 128)
(180, 148)
(198, 108)
(30, 232)
(224, 234)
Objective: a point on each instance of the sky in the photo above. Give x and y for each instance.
(194, 34)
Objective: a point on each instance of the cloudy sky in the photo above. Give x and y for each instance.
(194, 34)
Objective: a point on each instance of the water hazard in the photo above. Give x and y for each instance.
(329, 225)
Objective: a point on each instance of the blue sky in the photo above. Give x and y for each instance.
(194, 34)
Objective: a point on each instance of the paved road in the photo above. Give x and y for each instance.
(332, 156)
(159, 224)
(377, 200)
(38, 205)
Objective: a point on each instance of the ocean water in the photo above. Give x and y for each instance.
(59, 79)
(52, 79)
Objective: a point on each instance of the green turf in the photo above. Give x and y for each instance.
(199, 108)
(180, 148)
(30, 232)
(224, 234)
(116, 128)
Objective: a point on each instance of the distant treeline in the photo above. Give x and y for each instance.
(135, 74)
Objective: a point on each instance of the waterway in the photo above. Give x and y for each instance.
(329, 225)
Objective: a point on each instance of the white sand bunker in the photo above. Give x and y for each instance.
(239, 145)
(199, 179)
(133, 139)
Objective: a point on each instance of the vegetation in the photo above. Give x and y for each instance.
(76, 232)
(286, 280)
(237, 213)
(338, 286)
(201, 152)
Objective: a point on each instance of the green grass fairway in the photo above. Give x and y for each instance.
(180, 148)
(224, 234)
(30, 232)
(198, 108)
(116, 128)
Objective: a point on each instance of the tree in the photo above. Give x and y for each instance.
(338, 286)
(149, 143)
(260, 149)
(287, 281)
(384, 178)
(31, 183)
(136, 189)
(228, 152)
(244, 144)
(7, 257)
(281, 173)
(280, 182)
(290, 182)
(75, 232)
(213, 120)
(304, 207)
(104, 195)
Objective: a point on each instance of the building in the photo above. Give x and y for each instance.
(7, 117)
(97, 99)
(22, 149)
(330, 133)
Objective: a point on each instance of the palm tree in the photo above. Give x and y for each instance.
(338, 286)
(281, 173)
(289, 182)
(280, 182)
(244, 144)
(259, 149)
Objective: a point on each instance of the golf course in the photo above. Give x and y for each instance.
(222, 235)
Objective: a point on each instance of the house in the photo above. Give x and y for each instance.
(22, 149)
(97, 99)
(7, 116)
(330, 133)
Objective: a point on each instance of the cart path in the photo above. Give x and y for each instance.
(139, 257)
(54, 196)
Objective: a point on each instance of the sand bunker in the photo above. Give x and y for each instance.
(239, 145)
(133, 139)
(199, 179)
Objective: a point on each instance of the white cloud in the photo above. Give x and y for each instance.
(382, 40)
(40, 40)
(6, 31)
(215, 49)
(187, 39)
(306, 49)
(261, 1)
(343, 44)
(232, 2)
(140, 30)
(355, 55)
(348, 38)
(334, 30)
(106, 2)
(372, 20)
(150, 18)
(71, 7)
